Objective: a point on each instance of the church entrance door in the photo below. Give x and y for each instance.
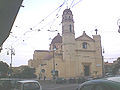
(86, 70)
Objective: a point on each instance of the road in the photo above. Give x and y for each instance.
(59, 86)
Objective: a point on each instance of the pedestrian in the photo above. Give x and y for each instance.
(44, 77)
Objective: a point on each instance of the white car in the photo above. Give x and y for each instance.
(28, 85)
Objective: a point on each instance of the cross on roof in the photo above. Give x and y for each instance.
(96, 31)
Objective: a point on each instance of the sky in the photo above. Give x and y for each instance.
(30, 29)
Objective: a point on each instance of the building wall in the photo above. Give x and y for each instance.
(72, 68)
(38, 57)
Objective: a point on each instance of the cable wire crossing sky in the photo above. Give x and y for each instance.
(38, 21)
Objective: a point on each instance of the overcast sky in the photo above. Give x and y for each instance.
(30, 30)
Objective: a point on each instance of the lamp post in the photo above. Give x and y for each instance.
(53, 71)
(118, 23)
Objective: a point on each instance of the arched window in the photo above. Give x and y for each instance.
(84, 45)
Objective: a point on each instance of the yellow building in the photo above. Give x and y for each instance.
(69, 57)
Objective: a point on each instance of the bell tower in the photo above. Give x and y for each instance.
(68, 35)
(67, 23)
(68, 42)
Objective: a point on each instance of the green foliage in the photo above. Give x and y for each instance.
(4, 69)
(25, 72)
(116, 67)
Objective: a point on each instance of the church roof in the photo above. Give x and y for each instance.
(41, 51)
(82, 37)
(48, 57)
(66, 11)
(57, 39)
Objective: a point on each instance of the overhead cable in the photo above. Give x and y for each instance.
(49, 14)
(76, 3)
(71, 4)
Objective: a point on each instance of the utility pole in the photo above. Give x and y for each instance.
(12, 52)
(53, 50)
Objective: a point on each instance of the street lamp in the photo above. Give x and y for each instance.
(53, 71)
(118, 23)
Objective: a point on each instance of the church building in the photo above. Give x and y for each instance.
(69, 57)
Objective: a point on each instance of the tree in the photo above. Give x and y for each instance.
(4, 68)
(26, 72)
(116, 67)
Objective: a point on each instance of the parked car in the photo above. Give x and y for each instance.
(28, 85)
(8, 83)
(112, 83)
(109, 75)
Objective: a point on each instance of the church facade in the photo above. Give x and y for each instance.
(69, 57)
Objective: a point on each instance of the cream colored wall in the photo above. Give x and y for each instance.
(72, 65)
(38, 58)
(74, 68)
(66, 68)
(90, 55)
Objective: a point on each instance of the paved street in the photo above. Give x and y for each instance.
(59, 86)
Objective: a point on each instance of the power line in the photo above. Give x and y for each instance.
(49, 14)
(71, 4)
(53, 21)
(31, 29)
(76, 3)
(50, 23)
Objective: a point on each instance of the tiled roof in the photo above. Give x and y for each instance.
(48, 57)
(57, 39)
(66, 11)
